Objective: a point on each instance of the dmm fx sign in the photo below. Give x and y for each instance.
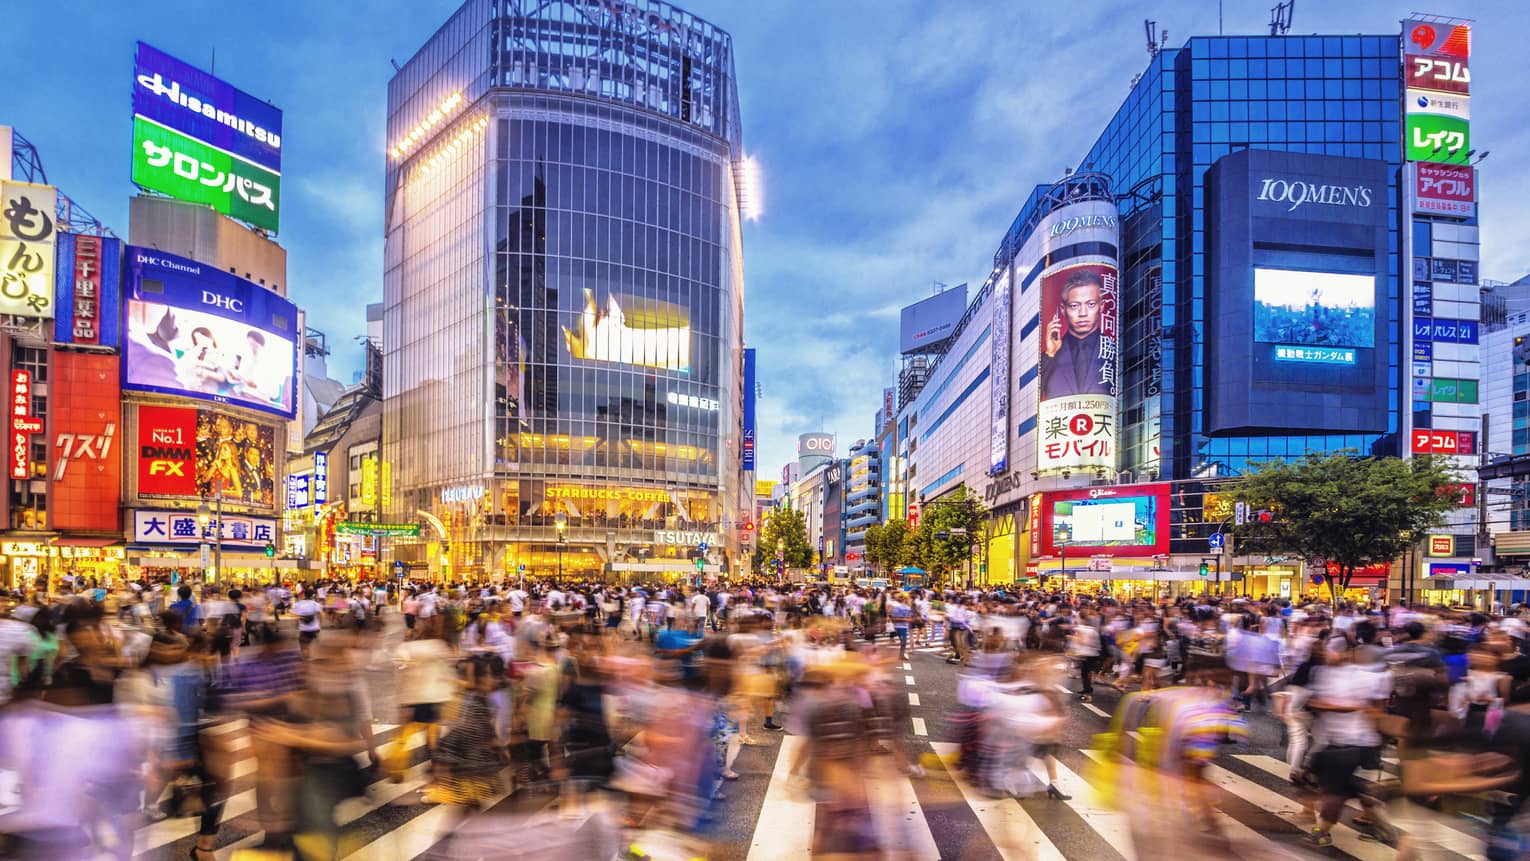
(680, 538)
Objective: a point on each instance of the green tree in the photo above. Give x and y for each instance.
(785, 528)
(939, 545)
(886, 545)
(1343, 512)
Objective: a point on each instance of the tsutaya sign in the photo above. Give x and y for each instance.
(686, 539)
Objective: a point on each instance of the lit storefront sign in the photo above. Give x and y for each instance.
(23, 424)
(181, 527)
(1442, 545)
(1444, 189)
(680, 538)
(320, 477)
(465, 493)
(87, 288)
(85, 483)
(27, 237)
(1444, 442)
(621, 494)
(999, 368)
(692, 401)
(298, 492)
(387, 530)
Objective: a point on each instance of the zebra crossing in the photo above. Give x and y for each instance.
(940, 814)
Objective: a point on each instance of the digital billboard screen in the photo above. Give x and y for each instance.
(198, 332)
(186, 452)
(1076, 398)
(631, 330)
(1116, 521)
(928, 322)
(1314, 309)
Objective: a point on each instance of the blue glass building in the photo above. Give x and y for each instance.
(1320, 95)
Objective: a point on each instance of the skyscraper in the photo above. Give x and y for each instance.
(563, 292)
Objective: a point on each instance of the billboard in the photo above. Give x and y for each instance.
(23, 423)
(197, 138)
(1125, 520)
(1314, 309)
(181, 527)
(1439, 38)
(1448, 442)
(1437, 87)
(88, 287)
(631, 330)
(320, 477)
(809, 444)
(929, 321)
(194, 331)
(1444, 189)
(747, 453)
(998, 376)
(299, 491)
(1076, 400)
(85, 477)
(186, 452)
(27, 237)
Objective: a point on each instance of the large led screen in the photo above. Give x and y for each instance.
(630, 330)
(1114, 521)
(198, 332)
(226, 454)
(1315, 309)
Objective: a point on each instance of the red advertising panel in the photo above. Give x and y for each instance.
(86, 472)
(1445, 189)
(1125, 520)
(23, 424)
(1444, 442)
(1465, 494)
(167, 455)
(1441, 74)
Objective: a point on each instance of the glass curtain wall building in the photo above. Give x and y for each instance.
(563, 290)
(1319, 95)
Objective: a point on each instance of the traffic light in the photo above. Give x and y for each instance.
(1205, 569)
(700, 564)
(270, 550)
(1264, 515)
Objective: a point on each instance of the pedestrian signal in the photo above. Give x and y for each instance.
(1205, 569)
(270, 550)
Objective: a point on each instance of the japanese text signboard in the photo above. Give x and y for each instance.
(181, 527)
(27, 237)
(23, 424)
(85, 476)
(1444, 189)
(166, 451)
(199, 139)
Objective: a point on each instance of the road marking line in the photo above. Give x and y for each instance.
(418, 834)
(1344, 837)
(919, 727)
(1096, 709)
(906, 666)
(913, 698)
(898, 817)
(1014, 833)
(1112, 825)
(785, 826)
(908, 680)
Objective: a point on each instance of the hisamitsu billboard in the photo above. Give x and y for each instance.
(181, 97)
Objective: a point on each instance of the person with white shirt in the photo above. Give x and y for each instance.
(517, 598)
(308, 612)
(698, 605)
(1347, 694)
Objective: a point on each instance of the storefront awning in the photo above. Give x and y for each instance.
(88, 542)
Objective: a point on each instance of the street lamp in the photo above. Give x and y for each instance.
(1062, 539)
(215, 518)
(560, 520)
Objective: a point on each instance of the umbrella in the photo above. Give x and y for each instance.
(912, 570)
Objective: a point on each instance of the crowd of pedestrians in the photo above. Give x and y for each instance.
(632, 703)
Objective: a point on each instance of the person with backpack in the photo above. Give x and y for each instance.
(188, 610)
(309, 613)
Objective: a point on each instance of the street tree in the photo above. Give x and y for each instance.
(785, 529)
(949, 527)
(886, 545)
(1343, 512)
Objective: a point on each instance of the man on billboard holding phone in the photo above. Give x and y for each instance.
(1073, 363)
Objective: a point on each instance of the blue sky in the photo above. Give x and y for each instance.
(897, 141)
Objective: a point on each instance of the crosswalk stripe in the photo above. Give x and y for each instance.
(420, 833)
(1014, 833)
(913, 698)
(1096, 709)
(786, 823)
(168, 831)
(900, 822)
(919, 727)
(1344, 837)
(908, 680)
(1457, 840)
(1110, 824)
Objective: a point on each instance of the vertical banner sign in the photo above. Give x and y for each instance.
(88, 290)
(320, 477)
(1076, 404)
(23, 424)
(27, 237)
(199, 139)
(747, 453)
(998, 378)
(86, 471)
(369, 479)
(1437, 81)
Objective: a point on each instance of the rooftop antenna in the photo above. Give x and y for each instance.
(1280, 17)
(1151, 28)
(396, 66)
(940, 287)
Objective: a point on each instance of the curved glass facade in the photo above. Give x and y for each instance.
(563, 312)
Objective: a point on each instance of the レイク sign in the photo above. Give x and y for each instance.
(23, 424)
